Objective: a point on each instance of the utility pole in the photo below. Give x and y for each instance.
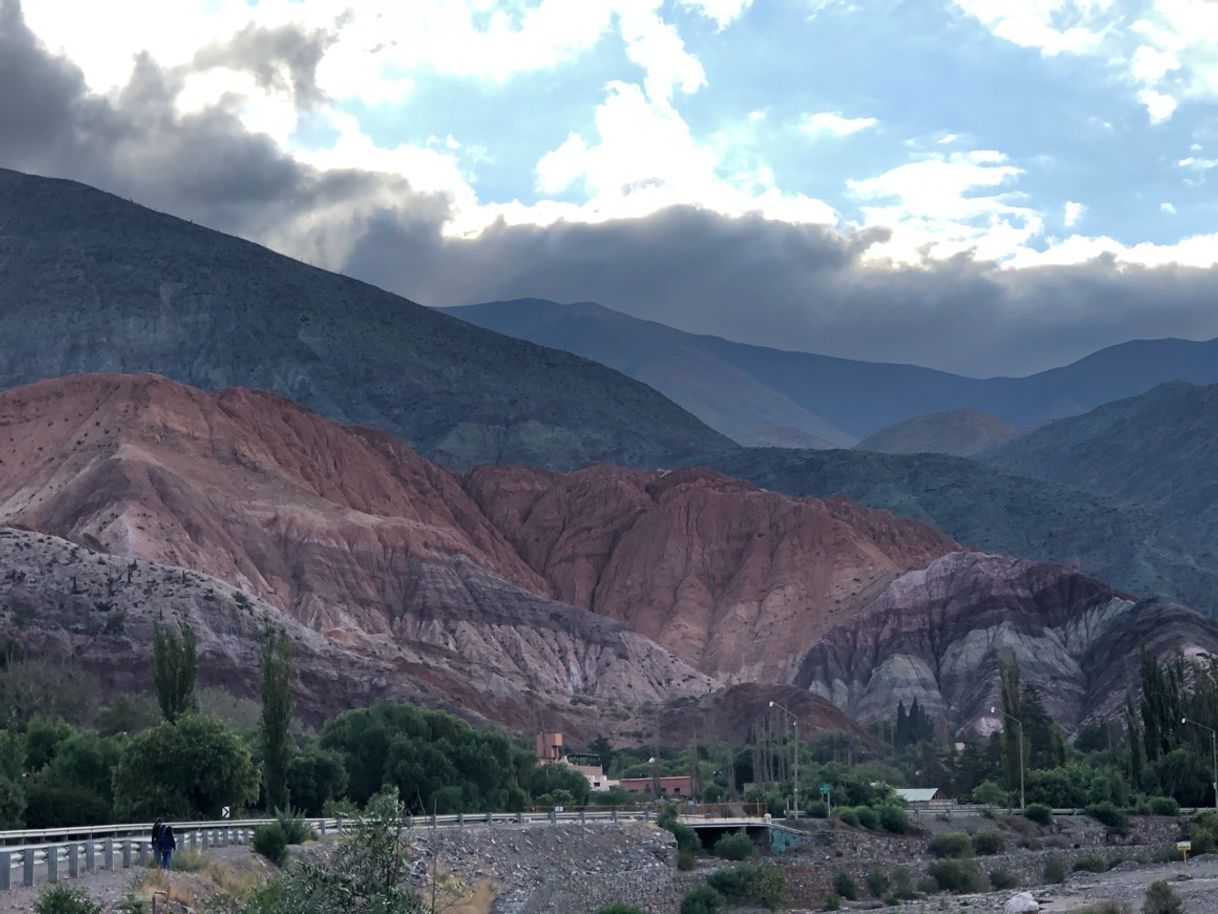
(1022, 800)
(1214, 748)
(795, 724)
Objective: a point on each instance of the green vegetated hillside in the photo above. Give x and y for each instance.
(961, 432)
(93, 283)
(1159, 451)
(997, 511)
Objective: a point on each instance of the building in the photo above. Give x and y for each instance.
(669, 786)
(922, 796)
(550, 751)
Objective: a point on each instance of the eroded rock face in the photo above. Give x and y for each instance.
(938, 634)
(735, 580)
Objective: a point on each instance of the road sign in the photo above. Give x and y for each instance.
(1184, 847)
(825, 789)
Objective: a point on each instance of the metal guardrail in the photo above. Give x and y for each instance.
(85, 849)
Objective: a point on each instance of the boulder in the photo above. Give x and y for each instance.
(1023, 903)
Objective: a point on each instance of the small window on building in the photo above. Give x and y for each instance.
(676, 790)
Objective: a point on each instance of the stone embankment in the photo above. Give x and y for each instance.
(556, 869)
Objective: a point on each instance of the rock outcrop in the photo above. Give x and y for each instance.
(938, 635)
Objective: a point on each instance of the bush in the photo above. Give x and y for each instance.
(1039, 813)
(63, 900)
(735, 846)
(1164, 806)
(818, 810)
(702, 900)
(271, 842)
(894, 819)
(902, 883)
(686, 859)
(833, 901)
(1001, 880)
(619, 907)
(735, 884)
(686, 835)
(878, 884)
(926, 886)
(988, 843)
(1161, 899)
(868, 818)
(771, 890)
(1106, 813)
(955, 844)
(295, 829)
(849, 815)
(1092, 863)
(958, 876)
(844, 885)
(1055, 870)
(988, 793)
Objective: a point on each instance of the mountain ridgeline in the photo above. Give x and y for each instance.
(91, 282)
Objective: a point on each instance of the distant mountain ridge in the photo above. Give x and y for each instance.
(959, 432)
(90, 282)
(838, 401)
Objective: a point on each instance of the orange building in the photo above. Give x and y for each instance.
(669, 786)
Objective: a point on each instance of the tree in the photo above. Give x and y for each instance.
(276, 719)
(175, 669)
(190, 768)
(546, 780)
(39, 688)
(603, 750)
(12, 768)
(1012, 707)
(315, 776)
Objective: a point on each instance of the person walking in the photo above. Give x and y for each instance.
(156, 838)
(166, 845)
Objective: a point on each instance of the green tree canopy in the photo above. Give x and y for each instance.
(175, 669)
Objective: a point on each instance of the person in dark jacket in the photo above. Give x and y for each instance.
(156, 834)
(166, 845)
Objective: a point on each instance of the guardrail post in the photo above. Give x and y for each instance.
(583, 815)
(338, 824)
(52, 864)
(460, 820)
(108, 854)
(143, 854)
(321, 828)
(126, 854)
(90, 856)
(520, 818)
(490, 818)
(27, 866)
(613, 815)
(73, 860)
(553, 816)
(6, 870)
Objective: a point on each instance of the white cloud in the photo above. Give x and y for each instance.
(1159, 107)
(1051, 26)
(1198, 164)
(1072, 212)
(835, 123)
(1168, 208)
(938, 207)
(724, 12)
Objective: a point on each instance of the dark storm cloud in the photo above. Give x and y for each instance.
(798, 287)
(283, 59)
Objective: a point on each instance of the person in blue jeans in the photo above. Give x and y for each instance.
(166, 844)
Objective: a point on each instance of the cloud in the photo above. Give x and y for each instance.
(1159, 106)
(1072, 212)
(1168, 208)
(835, 123)
(1195, 163)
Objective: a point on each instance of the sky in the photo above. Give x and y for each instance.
(983, 186)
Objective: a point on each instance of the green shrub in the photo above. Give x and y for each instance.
(1164, 806)
(1106, 813)
(926, 886)
(1092, 863)
(954, 844)
(988, 793)
(833, 901)
(1161, 899)
(735, 846)
(844, 885)
(988, 843)
(619, 907)
(958, 876)
(295, 829)
(771, 890)
(817, 810)
(849, 815)
(868, 818)
(1055, 869)
(735, 884)
(63, 900)
(271, 842)
(702, 900)
(130, 904)
(894, 819)
(1000, 880)
(687, 837)
(902, 883)
(878, 883)
(1039, 813)
(686, 859)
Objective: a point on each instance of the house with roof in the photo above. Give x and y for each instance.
(922, 796)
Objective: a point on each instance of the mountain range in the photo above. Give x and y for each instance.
(92, 282)
(760, 396)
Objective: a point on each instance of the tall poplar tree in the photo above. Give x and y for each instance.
(276, 720)
(175, 663)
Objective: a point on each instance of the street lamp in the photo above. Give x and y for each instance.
(795, 724)
(655, 776)
(1214, 746)
(1022, 799)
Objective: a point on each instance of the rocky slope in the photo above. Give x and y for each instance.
(959, 432)
(1000, 512)
(732, 386)
(732, 579)
(91, 282)
(938, 635)
(1156, 451)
